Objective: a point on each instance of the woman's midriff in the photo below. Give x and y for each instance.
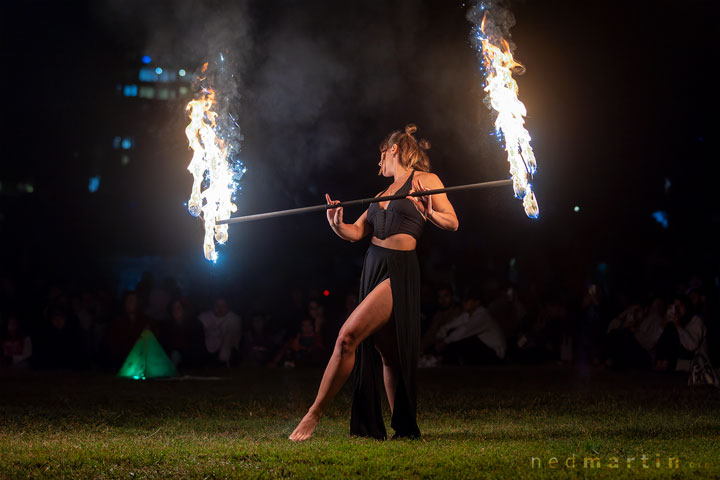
(399, 241)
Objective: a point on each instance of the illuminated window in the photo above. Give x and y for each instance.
(146, 92)
(127, 143)
(163, 94)
(94, 184)
(147, 74)
(661, 217)
(146, 59)
(116, 142)
(124, 160)
(183, 91)
(130, 90)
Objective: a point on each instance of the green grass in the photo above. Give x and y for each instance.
(475, 423)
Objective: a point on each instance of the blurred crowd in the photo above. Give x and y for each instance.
(487, 322)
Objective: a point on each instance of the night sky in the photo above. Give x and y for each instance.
(619, 97)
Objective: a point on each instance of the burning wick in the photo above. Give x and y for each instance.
(209, 165)
(502, 93)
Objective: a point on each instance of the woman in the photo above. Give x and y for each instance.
(683, 336)
(384, 329)
(15, 345)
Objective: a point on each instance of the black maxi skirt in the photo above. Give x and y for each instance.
(366, 415)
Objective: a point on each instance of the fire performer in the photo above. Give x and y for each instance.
(382, 335)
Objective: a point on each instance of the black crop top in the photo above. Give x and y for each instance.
(401, 216)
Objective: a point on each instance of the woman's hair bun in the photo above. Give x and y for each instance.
(410, 129)
(424, 144)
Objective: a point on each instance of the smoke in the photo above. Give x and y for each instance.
(179, 32)
(498, 21)
(314, 86)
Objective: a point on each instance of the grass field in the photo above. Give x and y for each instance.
(483, 422)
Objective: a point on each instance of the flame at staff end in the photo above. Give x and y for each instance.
(502, 90)
(209, 165)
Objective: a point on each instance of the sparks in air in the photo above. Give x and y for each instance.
(210, 168)
(502, 91)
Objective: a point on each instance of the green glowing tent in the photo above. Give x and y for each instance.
(147, 359)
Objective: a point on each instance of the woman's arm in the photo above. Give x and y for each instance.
(350, 232)
(692, 334)
(26, 353)
(436, 208)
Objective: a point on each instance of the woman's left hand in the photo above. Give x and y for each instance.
(422, 204)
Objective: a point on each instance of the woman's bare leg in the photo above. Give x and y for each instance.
(370, 315)
(386, 344)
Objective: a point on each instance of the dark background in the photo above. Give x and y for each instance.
(619, 97)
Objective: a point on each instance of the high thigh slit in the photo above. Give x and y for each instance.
(401, 267)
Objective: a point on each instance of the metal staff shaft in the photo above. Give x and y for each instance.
(363, 201)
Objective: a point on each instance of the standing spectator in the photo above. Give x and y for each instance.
(223, 331)
(16, 345)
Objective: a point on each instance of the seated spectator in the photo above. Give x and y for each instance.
(223, 332)
(593, 322)
(474, 337)
(623, 351)
(126, 330)
(316, 311)
(508, 311)
(447, 310)
(158, 304)
(59, 346)
(15, 345)
(541, 338)
(652, 325)
(258, 344)
(684, 335)
(83, 312)
(305, 349)
(178, 335)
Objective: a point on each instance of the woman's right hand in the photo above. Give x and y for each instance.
(334, 215)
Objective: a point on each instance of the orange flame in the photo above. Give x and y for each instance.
(209, 159)
(502, 91)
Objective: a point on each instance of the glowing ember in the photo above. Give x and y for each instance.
(209, 166)
(502, 91)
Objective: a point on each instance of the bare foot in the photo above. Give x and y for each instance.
(306, 427)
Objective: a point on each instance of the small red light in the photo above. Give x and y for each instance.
(326, 292)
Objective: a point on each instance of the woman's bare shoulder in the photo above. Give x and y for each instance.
(428, 178)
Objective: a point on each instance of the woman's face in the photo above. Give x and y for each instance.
(388, 161)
